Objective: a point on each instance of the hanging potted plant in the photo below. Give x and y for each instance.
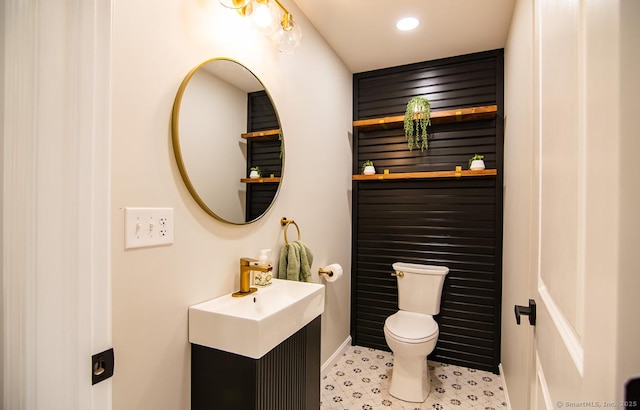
(476, 162)
(368, 168)
(417, 118)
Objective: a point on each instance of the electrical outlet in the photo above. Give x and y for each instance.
(145, 227)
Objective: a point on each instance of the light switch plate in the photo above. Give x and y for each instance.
(144, 227)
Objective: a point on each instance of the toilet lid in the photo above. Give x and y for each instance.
(411, 327)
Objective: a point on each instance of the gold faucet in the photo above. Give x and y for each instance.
(246, 266)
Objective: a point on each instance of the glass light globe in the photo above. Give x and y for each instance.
(265, 17)
(288, 37)
(234, 4)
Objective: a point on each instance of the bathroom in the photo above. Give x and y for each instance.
(147, 292)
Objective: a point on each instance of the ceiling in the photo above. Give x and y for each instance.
(363, 32)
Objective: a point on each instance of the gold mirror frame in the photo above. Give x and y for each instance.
(177, 149)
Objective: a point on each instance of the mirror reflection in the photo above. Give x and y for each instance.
(225, 125)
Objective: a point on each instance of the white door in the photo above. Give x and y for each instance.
(56, 309)
(561, 222)
(576, 126)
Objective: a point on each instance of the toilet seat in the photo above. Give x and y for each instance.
(410, 327)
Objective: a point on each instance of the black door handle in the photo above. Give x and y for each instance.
(529, 311)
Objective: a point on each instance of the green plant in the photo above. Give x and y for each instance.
(417, 118)
(365, 164)
(475, 158)
(257, 169)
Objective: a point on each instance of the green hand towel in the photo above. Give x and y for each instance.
(295, 262)
(282, 263)
(306, 260)
(290, 266)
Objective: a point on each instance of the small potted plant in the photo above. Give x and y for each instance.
(255, 172)
(368, 168)
(417, 118)
(476, 162)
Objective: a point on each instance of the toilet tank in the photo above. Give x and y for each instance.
(420, 289)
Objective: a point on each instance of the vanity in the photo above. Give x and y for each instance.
(260, 351)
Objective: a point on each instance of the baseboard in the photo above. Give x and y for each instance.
(504, 387)
(335, 357)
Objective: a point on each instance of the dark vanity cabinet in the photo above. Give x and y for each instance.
(286, 378)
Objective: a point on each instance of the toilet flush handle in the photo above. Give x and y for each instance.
(398, 274)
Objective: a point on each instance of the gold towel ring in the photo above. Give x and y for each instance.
(286, 222)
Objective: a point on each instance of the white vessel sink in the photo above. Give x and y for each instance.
(254, 324)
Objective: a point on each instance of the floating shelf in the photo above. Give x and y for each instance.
(426, 175)
(261, 135)
(261, 180)
(437, 117)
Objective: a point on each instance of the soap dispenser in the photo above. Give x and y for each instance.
(263, 259)
(263, 278)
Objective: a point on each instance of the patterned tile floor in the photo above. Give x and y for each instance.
(360, 381)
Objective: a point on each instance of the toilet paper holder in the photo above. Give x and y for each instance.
(325, 272)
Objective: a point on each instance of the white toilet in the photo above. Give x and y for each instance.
(411, 332)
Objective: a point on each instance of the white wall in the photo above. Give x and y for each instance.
(153, 48)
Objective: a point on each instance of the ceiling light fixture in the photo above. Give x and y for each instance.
(265, 15)
(234, 4)
(407, 23)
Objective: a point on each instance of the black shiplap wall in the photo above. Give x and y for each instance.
(264, 154)
(451, 222)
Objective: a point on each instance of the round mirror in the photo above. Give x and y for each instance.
(225, 127)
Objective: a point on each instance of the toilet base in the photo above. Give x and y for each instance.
(410, 378)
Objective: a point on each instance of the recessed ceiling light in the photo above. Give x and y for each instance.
(407, 23)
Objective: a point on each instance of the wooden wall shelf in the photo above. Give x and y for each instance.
(273, 180)
(426, 175)
(437, 117)
(261, 135)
